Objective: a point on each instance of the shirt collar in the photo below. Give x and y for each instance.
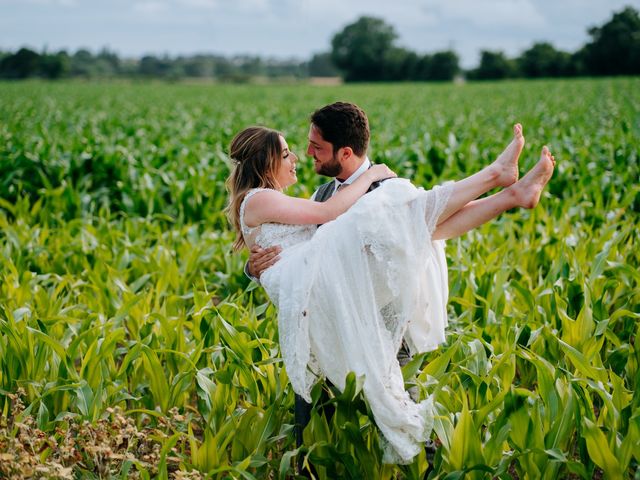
(361, 169)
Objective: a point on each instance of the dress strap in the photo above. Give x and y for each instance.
(246, 231)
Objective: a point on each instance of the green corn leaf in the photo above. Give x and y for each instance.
(466, 448)
(600, 451)
(285, 463)
(43, 416)
(582, 364)
(158, 383)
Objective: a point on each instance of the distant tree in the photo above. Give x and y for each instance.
(197, 66)
(82, 64)
(441, 66)
(54, 66)
(410, 65)
(249, 65)
(422, 68)
(321, 65)
(224, 68)
(543, 60)
(565, 64)
(615, 47)
(444, 66)
(397, 62)
(128, 67)
(107, 63)
(577, 63)
(22, 64)
(151, 66)
(275, 68)
(360, 48)
(493, 66)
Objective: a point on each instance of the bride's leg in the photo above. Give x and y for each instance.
(501, 173)
(525, 193)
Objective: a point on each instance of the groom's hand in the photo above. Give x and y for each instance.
(262, 258)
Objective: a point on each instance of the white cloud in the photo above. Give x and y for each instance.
(234, 11)
(252, 7)
(54, 3)
(488, 13)
(340, 12)
(204, 4)
(150, 7)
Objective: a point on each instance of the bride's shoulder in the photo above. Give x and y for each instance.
(257, 203)
(261, 193)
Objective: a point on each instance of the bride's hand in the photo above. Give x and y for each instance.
(380, 172)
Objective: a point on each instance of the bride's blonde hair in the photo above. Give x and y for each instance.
(256, 153)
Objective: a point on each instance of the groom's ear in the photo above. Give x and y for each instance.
(345, 153)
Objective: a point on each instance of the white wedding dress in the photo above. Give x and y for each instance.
(348, 291)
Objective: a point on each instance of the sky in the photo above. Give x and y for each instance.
(296, 29)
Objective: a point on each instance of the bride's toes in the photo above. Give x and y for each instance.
(517, 130)
(529, 189)
(506, 165)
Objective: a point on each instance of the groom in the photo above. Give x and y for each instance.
(338, 140)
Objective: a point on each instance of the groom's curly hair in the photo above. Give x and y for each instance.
(343, 125)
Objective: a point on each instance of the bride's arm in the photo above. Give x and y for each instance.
(273, 206)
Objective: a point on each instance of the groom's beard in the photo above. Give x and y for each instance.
(331, 168)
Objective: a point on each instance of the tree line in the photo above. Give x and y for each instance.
(614, 49)
(365, 50)
(26, 63)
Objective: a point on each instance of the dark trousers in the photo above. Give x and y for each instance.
(302, 410)
(302, 413)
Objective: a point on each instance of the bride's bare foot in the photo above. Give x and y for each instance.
(529, 189)
(506, 165)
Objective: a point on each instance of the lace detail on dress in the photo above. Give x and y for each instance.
(284, 235)
(246, 231)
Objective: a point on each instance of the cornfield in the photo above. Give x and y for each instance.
(133, 345)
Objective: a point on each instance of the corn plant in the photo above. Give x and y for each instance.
(123, 308)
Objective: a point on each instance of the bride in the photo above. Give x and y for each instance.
(372, 274)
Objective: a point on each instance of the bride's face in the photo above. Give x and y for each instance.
(286, 174)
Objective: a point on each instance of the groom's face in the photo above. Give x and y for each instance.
(325, 162)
